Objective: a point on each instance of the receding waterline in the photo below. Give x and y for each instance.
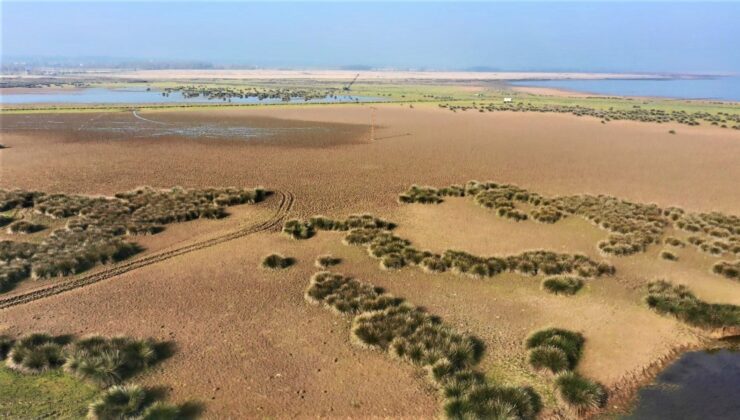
(143, 96)
(699, 385)
(717, 88)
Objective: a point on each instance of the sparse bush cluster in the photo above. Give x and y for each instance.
(395, 253)
(636, 113)
(563, 285)
(105, 362)
(277, 262)
(677, 300)
(633, 226)
(102, 361)
(299, 229)
(96, 226)
(381, 321)
(729, 269)
(558, 351)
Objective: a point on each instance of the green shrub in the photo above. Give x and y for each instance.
(579, 393)
(666, 298)
(36, 353)
(106, 362)
(326, 261)
(277, 262)
(562, 285)
(118, 402)
(668, 255)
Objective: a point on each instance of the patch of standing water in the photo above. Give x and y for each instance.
(143, 96)
(700, 385)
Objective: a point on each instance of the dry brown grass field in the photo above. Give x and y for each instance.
(248, 345)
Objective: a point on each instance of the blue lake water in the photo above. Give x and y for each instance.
(142, 96)
(700, 385)
(719, 88)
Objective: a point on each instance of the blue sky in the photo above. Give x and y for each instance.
(582, 36)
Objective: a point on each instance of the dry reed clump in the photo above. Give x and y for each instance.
(562, 285)
(96, 226)
(277, 262)
(729, 269)
(383, 322)
(327, 261)
(107, 362)
(677, 300)
(668, 255)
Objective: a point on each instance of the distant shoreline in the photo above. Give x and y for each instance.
(372, 75)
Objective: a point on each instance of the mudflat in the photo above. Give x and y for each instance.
(247, 342)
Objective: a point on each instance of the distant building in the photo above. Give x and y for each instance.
(507, 99)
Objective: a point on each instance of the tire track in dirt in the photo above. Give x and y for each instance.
(286, 203)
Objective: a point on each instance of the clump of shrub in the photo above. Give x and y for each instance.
(579, 393)
(677, 300)
(161, 411)
(555, 349)
(5, 220)
(668, 255)
(297, 229)
(672, 241)
(346, 295)
(24, 227)
(327, 261)
(562, 285)
(119, 402)
(6, 343)
(36, 353)
(381, 321)
(731, 270)
(277, 262)
(106, 362)
(423, 195)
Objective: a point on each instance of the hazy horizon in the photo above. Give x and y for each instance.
(597, 37)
